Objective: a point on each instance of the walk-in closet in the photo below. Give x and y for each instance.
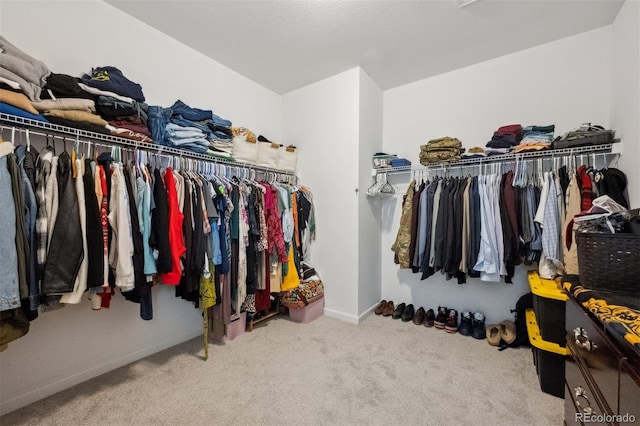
(331, 213)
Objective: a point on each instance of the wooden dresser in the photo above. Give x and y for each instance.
(602, 375)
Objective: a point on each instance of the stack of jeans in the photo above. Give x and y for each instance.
(189, 138)
(187, 128)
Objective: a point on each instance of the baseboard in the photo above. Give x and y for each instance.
(341, 316)
(69, 381)
(368, 312)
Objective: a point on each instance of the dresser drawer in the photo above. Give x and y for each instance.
(583, 404)
(595, 353)
(629, 393)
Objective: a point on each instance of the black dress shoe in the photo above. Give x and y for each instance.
(418, 318)
(408, 313)
(397, 313)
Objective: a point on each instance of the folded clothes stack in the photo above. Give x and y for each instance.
(20, 71)
(400, 162)
(119, 101)
(21, 81)
(201, 125)
(441, 150)
(506, 137)
(65, 103)
(15, 103)
(475, 152)
(536, 138)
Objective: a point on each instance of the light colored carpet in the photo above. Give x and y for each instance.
(327, 372)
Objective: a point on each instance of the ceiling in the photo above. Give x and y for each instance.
(287, 44)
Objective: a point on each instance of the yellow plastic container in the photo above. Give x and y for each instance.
(549, 305)
(548, 357)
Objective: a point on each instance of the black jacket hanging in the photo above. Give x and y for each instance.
(159, 239)
(95, 247)
(65, 249)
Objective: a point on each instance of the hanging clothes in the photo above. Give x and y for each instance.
(80, 284)
(401, 245)
(9, 287)
(65, 252)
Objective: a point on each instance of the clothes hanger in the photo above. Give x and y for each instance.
(386, 187)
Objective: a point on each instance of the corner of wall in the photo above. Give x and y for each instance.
(369, 210)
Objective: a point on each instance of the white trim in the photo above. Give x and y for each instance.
(341, 316)
(368, 312)
(69, 381)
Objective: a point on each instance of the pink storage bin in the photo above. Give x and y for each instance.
(233, 330)
(313, 310)
(237, 326)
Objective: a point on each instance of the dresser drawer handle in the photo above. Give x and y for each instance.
(582, 339)
(581, 393)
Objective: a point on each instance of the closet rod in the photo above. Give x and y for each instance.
(72, 134)
(510, 157)
(608, 157)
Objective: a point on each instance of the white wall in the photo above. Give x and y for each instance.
(71, 37)
(69, 346)
(369, 209)
(625, 96)
(322, 119)
(556, 83)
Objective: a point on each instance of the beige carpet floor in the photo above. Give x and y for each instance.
(327, 372)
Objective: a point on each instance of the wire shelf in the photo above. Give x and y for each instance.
(73, 134)
(502, 158)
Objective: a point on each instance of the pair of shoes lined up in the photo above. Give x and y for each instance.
(385, 308)
(501, 334)
(446, 319)
(403, 311)
(423, 317)
(472, 324)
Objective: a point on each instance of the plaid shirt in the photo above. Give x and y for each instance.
(42, 237)
(551, 225)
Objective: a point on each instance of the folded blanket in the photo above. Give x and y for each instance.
(21, 68)
(10, 109)
(82, 125)
(74, 115)
(18, 100)
(620, 312)
(66, 104)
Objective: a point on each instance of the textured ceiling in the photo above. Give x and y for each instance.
(285, 45)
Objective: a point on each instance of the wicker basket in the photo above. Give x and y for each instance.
(609, 262)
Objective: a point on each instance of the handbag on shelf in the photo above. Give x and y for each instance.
(288, 158)
(244, 151)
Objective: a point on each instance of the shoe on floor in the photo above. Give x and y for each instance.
(465, 323)
(477, 326)
(418, 318)
(441, 318)
(380, 307)
(429, 317)
(397, 313)
(451, 323)
(494, 334)
(408, 313)
(388, 309)
(508, 331)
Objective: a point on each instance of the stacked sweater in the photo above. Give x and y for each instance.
(119, 101)
(65, 103)
(21, 71)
